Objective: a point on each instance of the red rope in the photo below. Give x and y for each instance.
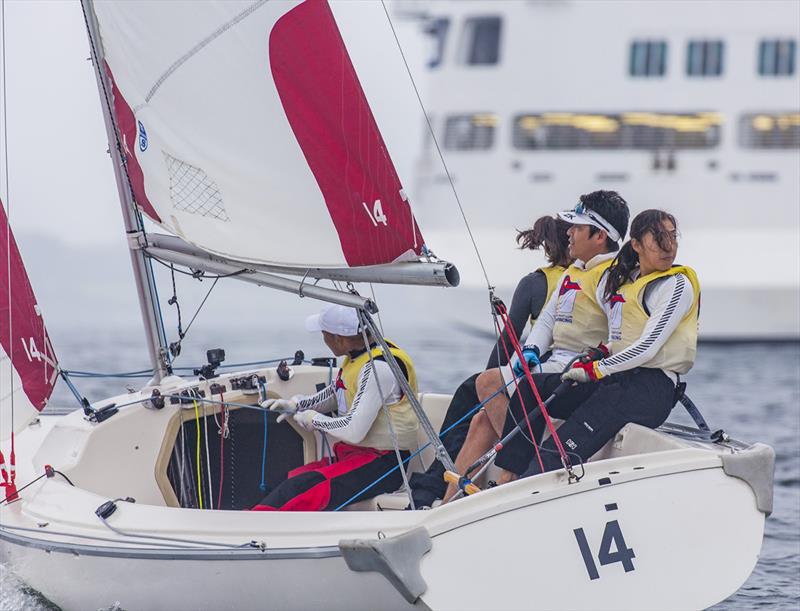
(221, 448)
(9, 473)
(501, 310)
(516, 386)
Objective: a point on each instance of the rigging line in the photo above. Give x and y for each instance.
(108, 539)
(174, 301)
(438, 148)
(244, 270)
(375, 300)
(388, 415)
(197, 454)
(200, 307)
(424, 447)
(208, 460)
(223, 417)
(8, 212)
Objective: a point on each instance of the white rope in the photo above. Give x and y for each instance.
(208, 460)
(8, 208)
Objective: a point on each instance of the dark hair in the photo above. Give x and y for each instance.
(613, 208)
(649, 221)
(550, 234)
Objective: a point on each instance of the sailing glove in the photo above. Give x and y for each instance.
(583, 373)
(305, 420)
(287, 406)
(531, 356)
(595, 354)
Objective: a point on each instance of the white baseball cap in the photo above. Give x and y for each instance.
(336, 319)
(581, 215)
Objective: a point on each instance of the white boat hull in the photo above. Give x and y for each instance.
(657, 521)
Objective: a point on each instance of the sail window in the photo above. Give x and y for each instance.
(770, 130)
(436, 32)
(777, 57)
(648, 58)
(191, 190)
(470, 132)
(480, 44)
(705, 58)
(625, 130)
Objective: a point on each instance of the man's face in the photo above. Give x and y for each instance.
(584, 246)
(334, 343)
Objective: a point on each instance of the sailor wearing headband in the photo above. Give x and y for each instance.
(573, 320)
(581, 215)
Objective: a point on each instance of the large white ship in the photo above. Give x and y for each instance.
(689, 106)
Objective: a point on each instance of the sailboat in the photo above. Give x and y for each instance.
(243, 128)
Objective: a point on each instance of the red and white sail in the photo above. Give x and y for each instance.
(28, 366)
(248, 131)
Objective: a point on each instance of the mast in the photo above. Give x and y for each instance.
(142, 267)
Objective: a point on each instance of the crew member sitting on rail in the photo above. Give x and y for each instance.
(571, 321)
(532, 293)
(652, 308)
(364, 396)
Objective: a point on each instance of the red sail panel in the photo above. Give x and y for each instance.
(129, 135)
(336, 130)
(23, 337)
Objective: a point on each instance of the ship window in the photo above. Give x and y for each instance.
(465, 132)
(626, 130)
(704, 58)
(776, 57)
(481, 41)
(436, 31)
(770, 130)
(648, 58)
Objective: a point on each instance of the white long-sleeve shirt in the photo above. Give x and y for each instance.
(351, 426)
(541, 335)
(668, 300)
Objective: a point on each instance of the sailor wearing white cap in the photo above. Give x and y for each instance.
(356, 410)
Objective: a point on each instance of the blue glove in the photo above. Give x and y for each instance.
(531, 356)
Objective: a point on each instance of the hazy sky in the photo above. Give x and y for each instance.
(60, 181)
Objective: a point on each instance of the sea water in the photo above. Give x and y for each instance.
(752, 391)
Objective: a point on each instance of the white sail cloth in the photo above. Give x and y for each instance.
(248, 133)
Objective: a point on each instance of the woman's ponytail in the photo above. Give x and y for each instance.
(550, 234)
(621, 268)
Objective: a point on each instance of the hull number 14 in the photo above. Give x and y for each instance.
(612, 538)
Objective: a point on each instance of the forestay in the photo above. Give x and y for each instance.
(28, 365)
(248, 133)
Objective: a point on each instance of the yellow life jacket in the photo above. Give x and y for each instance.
(404, 420)
(580, 321)
(552, 274)
(628, 319)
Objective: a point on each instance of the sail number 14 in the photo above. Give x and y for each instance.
(376, 215)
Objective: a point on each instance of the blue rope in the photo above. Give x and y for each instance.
(263, 484)
(71, 386)
(442, 434)
(145, 373)
(148, 373)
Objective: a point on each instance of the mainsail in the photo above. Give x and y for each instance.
(248, 133)
(28, 366)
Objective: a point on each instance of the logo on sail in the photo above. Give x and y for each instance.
(142, 137)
